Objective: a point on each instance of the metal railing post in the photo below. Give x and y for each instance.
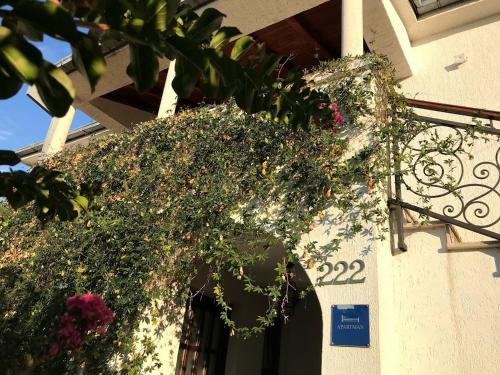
(397, 187)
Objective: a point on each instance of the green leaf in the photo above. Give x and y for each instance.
(161, 12)
(186, 77)
(48, 17)
(187, 49)
(248, 96)
(89, 60)
(157, 14)
(9, 158)
(269, 64)
(172, 8)
(82, 201)
(29, 31)
(16, 199)
(21, 57)
(17, 187)
(113, 12)
(189, 65)
(222, 77)
(242, 45)
(9, 86)
(209, 21)
(224, 36)
(143, 67)
(25, 28)
(211, 84)
(56, 90)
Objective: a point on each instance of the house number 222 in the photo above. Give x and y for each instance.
(341, 277)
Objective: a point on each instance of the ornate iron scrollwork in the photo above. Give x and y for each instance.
(442, 168)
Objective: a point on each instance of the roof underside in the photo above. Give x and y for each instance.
(303, 39)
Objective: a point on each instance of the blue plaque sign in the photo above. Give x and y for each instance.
(350, 325)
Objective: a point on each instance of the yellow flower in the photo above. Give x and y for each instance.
(328, 193)
(264, 170)
(310, 264)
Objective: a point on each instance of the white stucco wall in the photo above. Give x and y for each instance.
(445, 309)
(364, 247)
(439, 310)
(474, 83)
(446, 305)
(166, 337)
(431, 311)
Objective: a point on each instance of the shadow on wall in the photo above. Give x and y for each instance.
(496, 255)
(443, 249)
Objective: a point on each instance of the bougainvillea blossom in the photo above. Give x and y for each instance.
(338, 119)
(87, 314)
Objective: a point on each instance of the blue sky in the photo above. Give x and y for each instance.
(22, 122)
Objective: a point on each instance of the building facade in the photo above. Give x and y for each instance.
(432, 290)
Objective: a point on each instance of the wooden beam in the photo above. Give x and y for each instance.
(296, 26)
(456, 109)
(474, 246)
(128, 95)
(424, 226)
(488, 233)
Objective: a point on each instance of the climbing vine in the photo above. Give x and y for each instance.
(182, 196)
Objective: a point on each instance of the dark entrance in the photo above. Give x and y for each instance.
(271, 349)
(204, 340)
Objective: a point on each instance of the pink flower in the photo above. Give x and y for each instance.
(92, 309)
(87, 313)
(54, 349)
(338, 118)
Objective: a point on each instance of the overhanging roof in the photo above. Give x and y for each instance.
(30, 154)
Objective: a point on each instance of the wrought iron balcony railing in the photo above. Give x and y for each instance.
(440, 173)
